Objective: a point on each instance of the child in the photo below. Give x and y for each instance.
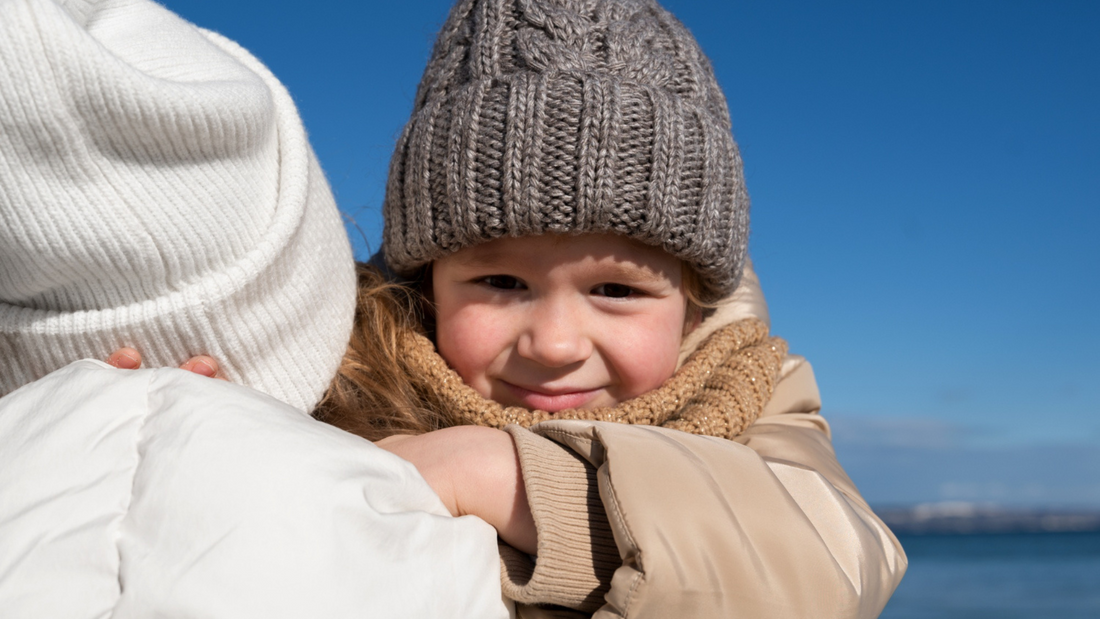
(568, 199)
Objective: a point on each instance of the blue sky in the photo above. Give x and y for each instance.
(926, 205)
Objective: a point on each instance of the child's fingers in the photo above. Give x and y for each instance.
(130, 359)
(125, 359)
(203, 366)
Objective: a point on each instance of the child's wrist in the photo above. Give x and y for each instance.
(489, 485)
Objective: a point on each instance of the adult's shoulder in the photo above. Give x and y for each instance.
(211, 499)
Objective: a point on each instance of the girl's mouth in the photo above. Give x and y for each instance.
(551, 401)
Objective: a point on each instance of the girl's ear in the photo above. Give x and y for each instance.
(425, 284)
(692, 286)
(427, 301)
(693, 319)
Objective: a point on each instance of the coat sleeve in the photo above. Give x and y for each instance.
(768, 525)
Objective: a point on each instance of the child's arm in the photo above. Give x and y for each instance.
(475, 471)
(768, 525)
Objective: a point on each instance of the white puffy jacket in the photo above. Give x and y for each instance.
(160, 493)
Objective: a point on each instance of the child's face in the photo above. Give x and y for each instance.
(553, 322)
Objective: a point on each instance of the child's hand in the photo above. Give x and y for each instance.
(130, 359)
(475, 471)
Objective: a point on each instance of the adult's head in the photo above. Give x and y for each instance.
(157, 190)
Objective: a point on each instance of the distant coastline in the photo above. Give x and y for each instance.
(972, 518)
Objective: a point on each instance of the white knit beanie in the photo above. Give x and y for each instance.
(157, 190)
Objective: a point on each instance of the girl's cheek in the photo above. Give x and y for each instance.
(646, 351)
(469, 340)
(666, 338)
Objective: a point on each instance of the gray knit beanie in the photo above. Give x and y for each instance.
(569, 116)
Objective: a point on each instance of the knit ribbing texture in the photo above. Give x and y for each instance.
(563, 491)
(569, 116)
(157, 190)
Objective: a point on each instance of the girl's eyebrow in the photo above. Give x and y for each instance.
(484, 258)
(632, 273)
(490, 258)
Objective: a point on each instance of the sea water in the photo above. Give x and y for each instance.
(999, 576)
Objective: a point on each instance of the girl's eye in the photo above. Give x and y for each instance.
(503, 282)
(615, 291)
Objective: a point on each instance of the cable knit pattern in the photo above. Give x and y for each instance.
(157, 190)
(569, 116)
(719, 391)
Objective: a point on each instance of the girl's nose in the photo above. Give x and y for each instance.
(555, 337)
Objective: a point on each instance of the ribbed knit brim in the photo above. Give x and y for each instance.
(157, 190)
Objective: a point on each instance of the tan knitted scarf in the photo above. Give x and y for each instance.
(718, 391)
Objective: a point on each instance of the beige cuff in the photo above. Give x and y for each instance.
(577, 554)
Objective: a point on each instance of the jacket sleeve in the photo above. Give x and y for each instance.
(768, 525)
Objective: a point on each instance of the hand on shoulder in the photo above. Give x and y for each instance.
(130, 359)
